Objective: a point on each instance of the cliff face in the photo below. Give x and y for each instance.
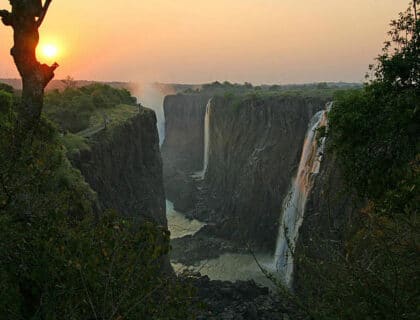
(329, 212)
(183, 148)
(255, 147)
(124, 167)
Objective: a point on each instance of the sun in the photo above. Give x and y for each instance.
(49, 51)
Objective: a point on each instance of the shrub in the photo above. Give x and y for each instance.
(374, 133)
(62, 259)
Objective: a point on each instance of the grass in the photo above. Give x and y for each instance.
(74, 143)
(115, 116)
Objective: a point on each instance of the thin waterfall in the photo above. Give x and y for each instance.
(295, 201)
(201, 174)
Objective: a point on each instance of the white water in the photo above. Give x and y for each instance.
(231, 267)
(152, 96)
(178, 224)
(201, 174)
(295, 202)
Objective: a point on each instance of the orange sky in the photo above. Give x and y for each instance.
(194, 41)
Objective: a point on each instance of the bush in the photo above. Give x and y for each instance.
(56, 268)
(6, 101)
(73, 108)
(62, 259)
(374, 132)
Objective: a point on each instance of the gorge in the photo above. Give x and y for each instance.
(242, 177)
(197, 200)
(248, 154)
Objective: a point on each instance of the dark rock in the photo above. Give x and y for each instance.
(255, 149)
(183, 148)
(329, 211)
(190, 250)
(124, 168)
(239, 300)
(254, 152)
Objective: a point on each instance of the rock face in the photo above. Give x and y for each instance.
(183, 148)
(242, 300)
(254, 152)
(124, 168)
(329, 210)
(193, 249)
(255, 146)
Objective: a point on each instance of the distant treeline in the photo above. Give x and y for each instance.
(239, 88)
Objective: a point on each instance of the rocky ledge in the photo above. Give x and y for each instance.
(241, 300)
(203, 245)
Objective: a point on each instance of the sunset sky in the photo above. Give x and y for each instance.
(195, 41)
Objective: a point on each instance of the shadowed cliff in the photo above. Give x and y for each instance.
(123, 165)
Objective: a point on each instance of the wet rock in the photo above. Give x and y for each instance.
(241, 300)
(254, 152)
(190, 250)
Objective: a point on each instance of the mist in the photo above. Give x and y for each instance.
(152, 95)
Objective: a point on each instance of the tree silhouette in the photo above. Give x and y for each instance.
(26, 18)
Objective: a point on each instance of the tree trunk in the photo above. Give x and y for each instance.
(25, 19)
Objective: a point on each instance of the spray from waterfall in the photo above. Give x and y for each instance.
(152, 95)
(201, 174)
(295, 201)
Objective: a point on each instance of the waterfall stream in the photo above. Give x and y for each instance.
(201, 174)
(295, 201)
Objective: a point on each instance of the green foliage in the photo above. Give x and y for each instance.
(6, 87)
(73, 108)
(74, 143)
(101, 269)
(375, 134)
(33, 169)
(321, 90)
(117, 115)
(59, 260)
(375, 131)
(6, 101)
(257, 96)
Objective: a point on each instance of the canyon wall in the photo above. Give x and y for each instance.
(254, 151)
(183, 148)
(123, 166)
(255, 148)
(329, 213)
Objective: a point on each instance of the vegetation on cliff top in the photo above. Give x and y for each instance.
(375, 134)
(237, 94)
(60, 258)
(82, 111)
(78, 108)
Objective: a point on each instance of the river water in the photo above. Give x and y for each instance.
(178, 224)
(229, 266)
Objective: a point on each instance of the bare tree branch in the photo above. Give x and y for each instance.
(6, 17)
(43, 12)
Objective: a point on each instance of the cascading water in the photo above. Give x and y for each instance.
(295, 201)
(201, 174)
(152, 96)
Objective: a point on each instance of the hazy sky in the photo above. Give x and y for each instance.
(195, 41)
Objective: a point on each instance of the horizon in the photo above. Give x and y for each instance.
(190, 42)
(221, 81)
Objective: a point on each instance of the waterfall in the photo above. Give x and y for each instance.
(295, 201)
(152, 96)
(201, 174)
